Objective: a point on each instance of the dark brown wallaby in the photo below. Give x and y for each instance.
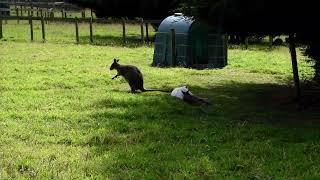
(132, 75)
(194, 100)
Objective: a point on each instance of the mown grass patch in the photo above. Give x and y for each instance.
(62, 117)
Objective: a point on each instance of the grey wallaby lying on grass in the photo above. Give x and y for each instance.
(132, 75)
(184, 94)
(194, 100)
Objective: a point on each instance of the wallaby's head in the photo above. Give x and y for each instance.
(184, 89)
(115, 64)
(185, 92)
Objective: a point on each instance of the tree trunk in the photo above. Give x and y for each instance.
(292, 48)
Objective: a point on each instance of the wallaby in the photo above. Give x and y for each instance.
(194, 100)
(132, 75)
(178, 92)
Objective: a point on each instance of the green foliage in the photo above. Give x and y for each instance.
(148, 9)
(263, 17)
(62, 117)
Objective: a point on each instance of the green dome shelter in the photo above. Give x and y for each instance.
(197, 45)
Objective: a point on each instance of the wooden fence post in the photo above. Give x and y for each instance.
(173, 47)
(46, 16)
(41, 13)
(17, 14)
(1, 34)
(147, 32)
(124, 30)
(21, 13)
(31, 27)
(91, 33)
(29, 12)
(246, 41)
(43, 30)
(270, 41)
(226, 40)
(142, 30)
(77, 31)
(31, 8)
(83, 14)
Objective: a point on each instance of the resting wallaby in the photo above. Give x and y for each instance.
(194, 100)
(132, 75)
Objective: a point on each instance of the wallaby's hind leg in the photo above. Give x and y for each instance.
(133, 88)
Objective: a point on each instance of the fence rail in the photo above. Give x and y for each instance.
(43, 4)
(87, 20)
(45, 12)
(44, 19)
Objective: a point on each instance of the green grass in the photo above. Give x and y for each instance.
(62, 117)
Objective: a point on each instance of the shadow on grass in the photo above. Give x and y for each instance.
(98, 40)
(131, 41)
(263, 46)
(254, 103)
(156, 135)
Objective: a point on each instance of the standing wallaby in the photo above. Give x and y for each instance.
(132, 75)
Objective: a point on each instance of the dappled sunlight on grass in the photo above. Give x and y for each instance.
(62, 116)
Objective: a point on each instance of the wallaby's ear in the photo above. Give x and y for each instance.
(114, 60)
(118, 60)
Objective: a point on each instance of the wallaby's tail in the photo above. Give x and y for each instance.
(146, 90)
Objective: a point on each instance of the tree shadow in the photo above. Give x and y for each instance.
(263, 46)
(269, 104)
(155, 126)
(116, 41)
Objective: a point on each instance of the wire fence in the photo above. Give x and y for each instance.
(45, 21)
(59, 12)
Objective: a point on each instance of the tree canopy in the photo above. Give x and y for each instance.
(150, 9)
(264, 17)
(257, 16)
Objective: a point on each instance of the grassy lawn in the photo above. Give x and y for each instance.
(62, 117)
